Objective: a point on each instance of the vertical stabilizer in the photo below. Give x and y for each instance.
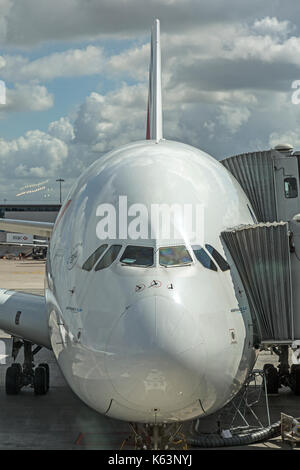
(154, 113)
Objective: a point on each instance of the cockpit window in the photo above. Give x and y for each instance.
(174, 256)
(137, 256)
(224, 266)
(109, 257)
(203, 257)
(90, 262)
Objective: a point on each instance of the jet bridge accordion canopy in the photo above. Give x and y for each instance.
(261, 255)
(255, 173)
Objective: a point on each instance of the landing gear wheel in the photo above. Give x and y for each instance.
(40, 381)
(46, 367)
(271, 378)
(13, 379)
(17, 366)
(295, 378)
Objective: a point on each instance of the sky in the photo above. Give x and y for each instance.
(76, 80)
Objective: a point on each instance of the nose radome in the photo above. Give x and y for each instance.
(156, 354)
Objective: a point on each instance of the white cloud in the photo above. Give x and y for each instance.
(133, 62)
(232, 117)
(272, 25)
(210, 126)
(265, 48)
(35, 154)
(101, 123)
(5, 6)
(2, 62)
(69, 63)
(110, 120)
(291, 137)
(29, 22)
(27, 97)
(62, 129)
(226, 81)
(222, 64)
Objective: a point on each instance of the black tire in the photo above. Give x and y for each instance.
(46, 367)
(13, 380)
(295, 378)
(266, 366)
(271, 378)
(17, 366)
(40, 381)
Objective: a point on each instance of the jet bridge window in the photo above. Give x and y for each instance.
(203, 258)
(90, 262)
(223, 265)
(290, 187)
(137, 256)
(174, 256)
(109, 257)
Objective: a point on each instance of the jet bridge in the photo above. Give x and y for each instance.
(271, 181)
(265, 256)
(261, 255)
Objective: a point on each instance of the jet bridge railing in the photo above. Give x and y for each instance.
(261, 254)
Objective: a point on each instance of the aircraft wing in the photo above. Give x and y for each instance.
(43, 229)
(24, 316)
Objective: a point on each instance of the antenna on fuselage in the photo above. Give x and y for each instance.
(154, 112)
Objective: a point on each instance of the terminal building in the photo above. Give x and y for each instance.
(36, 212)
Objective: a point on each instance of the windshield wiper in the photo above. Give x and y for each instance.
(136, 265)
(175, 265)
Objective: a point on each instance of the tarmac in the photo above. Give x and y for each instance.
(59, 420)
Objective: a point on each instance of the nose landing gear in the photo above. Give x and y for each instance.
(295, 378)
(18, 376)
(158, 437)
(272, 379)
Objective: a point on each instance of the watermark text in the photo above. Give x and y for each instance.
(157, 221)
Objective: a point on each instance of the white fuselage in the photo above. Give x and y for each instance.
(151, 344)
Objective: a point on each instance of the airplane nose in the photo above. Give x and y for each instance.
(156, 355)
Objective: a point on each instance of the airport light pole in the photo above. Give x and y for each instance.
(60, 180)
